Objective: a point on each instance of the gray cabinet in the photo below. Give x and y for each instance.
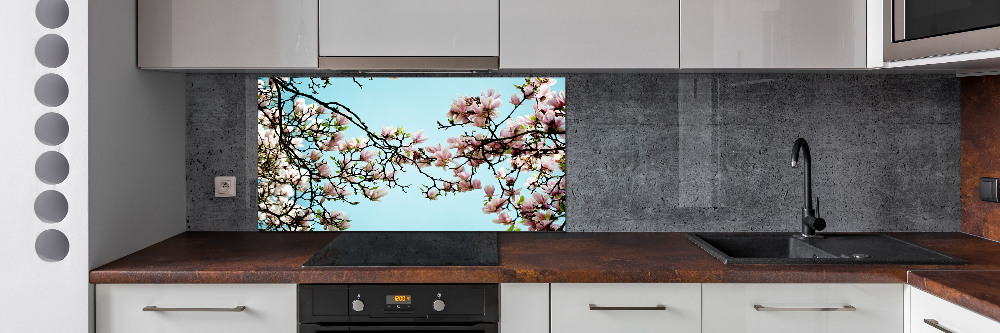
(779, 34)
(223, 34)
(577, 34)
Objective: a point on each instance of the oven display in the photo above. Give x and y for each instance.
(397, 299)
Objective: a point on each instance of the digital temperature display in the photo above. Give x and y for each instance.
(397, 299)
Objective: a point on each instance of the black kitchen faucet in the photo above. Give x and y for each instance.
(810, 222)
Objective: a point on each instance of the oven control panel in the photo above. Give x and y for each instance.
(398, 303)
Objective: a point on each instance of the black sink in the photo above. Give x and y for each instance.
(787, 248)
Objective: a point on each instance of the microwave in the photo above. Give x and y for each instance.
(915, 29)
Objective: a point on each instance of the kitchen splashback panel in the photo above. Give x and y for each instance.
(683, 152)
(406, 154)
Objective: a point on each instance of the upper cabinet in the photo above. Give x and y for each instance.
(408, 34)
(777, 34)
(588, 34)
(428, 35)
(222, 34)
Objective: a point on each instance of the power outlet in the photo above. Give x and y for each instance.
(225, 186)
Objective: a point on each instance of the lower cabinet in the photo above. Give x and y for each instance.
(196, 308)
(625, 307)
(524, 307)
(802, 308)
(930, 314)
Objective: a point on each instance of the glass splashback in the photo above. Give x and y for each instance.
(411, 154)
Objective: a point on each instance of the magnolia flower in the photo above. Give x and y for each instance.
(341, 120)
(503, 218)
(376, 193)
(367, 155)
(418, 137)
(315, 155)
(325, 170)
(388, 131)
(489, 190)
(432, 194)
(515, 99)
(547, 163)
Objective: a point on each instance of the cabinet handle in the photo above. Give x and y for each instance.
(759, 307)
(233, 309)
(630, 308)
(935, 324)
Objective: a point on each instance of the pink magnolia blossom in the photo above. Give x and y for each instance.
(376, 194)
(367, 155)
(315, 155)
(325, 170)
(388, 131)
(418, 137)
(503, 218)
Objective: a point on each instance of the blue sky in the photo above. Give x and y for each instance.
(415, 104)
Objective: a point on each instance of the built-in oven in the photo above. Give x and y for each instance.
(389, 308)
(927, 28)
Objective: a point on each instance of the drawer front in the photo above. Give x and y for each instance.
(268, 308)
(626, 307)
(949, 316)
(730, 308)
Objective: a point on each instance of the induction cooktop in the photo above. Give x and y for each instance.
(409, 248)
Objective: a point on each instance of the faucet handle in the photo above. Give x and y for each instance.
(817, 206)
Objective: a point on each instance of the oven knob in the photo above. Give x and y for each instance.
(358, 305)
(438, 305)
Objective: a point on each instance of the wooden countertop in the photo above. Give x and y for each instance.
(978, 291)
(265, 257)
(262, 257)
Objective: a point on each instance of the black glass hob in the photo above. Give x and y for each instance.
(409, 248)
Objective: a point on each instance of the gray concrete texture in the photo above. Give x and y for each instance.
(684, 152)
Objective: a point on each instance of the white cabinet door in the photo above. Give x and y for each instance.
(524, 308)
(589, 34)
(269, 308)
(774, 34)
(794, 308)
(626, 307)
(227, 34)
(409, 28)
(951, 317)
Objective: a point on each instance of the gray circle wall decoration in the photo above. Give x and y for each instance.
(52, 167)
(51, 206)
(51, 129)
(52, 245)
(51, 50)
(52, 13)
(51, 90)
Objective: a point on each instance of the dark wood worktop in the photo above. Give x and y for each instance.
(262, 257)
(978, 291)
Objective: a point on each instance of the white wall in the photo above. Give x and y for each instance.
(125, 150)
(37, 295)
(137, 185)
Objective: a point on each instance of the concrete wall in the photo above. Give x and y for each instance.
(684, 152)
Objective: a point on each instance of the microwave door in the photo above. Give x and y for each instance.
(916, 19)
